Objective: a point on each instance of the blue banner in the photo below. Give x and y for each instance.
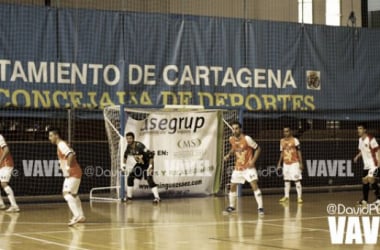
(60, 58)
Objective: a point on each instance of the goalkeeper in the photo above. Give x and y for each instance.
(142, 168)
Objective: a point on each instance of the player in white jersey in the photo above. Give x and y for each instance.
(6, 168)
(370, 153)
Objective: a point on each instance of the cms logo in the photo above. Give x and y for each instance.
(189, 143)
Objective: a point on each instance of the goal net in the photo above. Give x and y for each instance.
(189, 144)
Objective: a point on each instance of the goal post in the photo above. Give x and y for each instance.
(189, 143)
(114, 126)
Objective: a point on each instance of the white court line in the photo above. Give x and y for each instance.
(294, 226)
(49, 242)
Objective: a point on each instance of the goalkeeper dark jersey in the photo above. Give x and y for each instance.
(139, 152)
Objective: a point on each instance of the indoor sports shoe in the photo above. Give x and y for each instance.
(13, 209)
(362, 203)
(230, 209)
(3, 207)
(75, 220)
(128, 200)
(261, 211)
(299, 200)
(377, 202)
(156, 201)
(81, 219)
(284, 199)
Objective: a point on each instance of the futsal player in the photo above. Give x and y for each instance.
(369, 151)
(72, 172)
(246, 152)
(143, 167)
(291, 158)
(6, 168)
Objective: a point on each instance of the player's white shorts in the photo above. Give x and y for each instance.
(373, 172)
(5, 174)
(249, 175)
(292, 172)
(71, 185)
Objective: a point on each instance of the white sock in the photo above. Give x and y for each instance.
(129, 192)
(287, 189)
(72, 204)
(232, 199)
(11, 197)
(78, 204)
(155, 192)
(299, 189)
(259, 198)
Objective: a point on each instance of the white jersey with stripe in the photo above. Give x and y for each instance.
(368, 147)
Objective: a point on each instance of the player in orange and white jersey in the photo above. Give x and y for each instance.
(6, 168)
(72, 173)
(246, 152)
(370, 153)
(291, 158)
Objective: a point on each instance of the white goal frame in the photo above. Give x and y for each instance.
(117, 190)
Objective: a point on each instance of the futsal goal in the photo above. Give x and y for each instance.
(189, 143)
